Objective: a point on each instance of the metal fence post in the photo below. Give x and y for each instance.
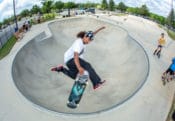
(0, 43)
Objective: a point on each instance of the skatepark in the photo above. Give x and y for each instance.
(121, 54)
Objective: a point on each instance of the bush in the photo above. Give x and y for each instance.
(49, 16)
(171, 34)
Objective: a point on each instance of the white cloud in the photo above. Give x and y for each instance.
(6, 7)
(157, 6)
(161, 7)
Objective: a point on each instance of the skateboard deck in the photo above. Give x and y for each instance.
(77, 90)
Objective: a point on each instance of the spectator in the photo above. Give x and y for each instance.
(19, 34)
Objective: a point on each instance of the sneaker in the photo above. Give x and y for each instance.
(96, 86)
(99, 84)
(58, 68)
(102, 82)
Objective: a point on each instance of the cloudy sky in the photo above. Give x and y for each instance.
(6, 7)
(156, 6)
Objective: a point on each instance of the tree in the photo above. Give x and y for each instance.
(121, 6)
(6, 21)
(143, 10)
(86, 5)
(89, 4)
(1, 25)
(104, 4)
(159, 19)
(111, 5)
(70, 5)
(59, 5)
(170, 19)
(133, 10)
(35, 9)
(47, 6)
(25, 13)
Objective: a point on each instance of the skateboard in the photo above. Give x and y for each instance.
(78, 89)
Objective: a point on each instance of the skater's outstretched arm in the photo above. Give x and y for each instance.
(95, 32)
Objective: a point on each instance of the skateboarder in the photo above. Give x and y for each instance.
(161, 43)
(170, 70)
(73, 58)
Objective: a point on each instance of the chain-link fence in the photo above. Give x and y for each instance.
(6, 34)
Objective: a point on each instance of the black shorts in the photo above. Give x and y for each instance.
(160, 46)
(170, 71)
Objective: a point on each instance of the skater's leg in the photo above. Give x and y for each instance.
(69, 72)
(92, 74)
(59, 68)
(72, 71)
(166, 74)
(163, 75)
(171, 73)
(158, 53)
(164, 78)
(155, 52)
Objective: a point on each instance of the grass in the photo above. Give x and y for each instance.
(122, 14)
(5, 50)
(171, 34)
(7, 47)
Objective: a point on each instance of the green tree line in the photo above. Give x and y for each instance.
(49, 6)
(141, 11)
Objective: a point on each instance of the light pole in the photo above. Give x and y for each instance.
(171, 15)
(16, 28)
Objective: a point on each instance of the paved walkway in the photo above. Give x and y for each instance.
(151, 103)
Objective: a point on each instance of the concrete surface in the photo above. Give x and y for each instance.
(114, 54)
(29, 89)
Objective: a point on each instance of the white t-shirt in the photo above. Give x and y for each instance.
(78, 47)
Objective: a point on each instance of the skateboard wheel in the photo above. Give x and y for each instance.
(71, 105)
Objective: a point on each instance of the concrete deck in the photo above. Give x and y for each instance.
(121, 54)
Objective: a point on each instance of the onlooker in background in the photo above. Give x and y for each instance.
(169, 73)
(161, 43)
